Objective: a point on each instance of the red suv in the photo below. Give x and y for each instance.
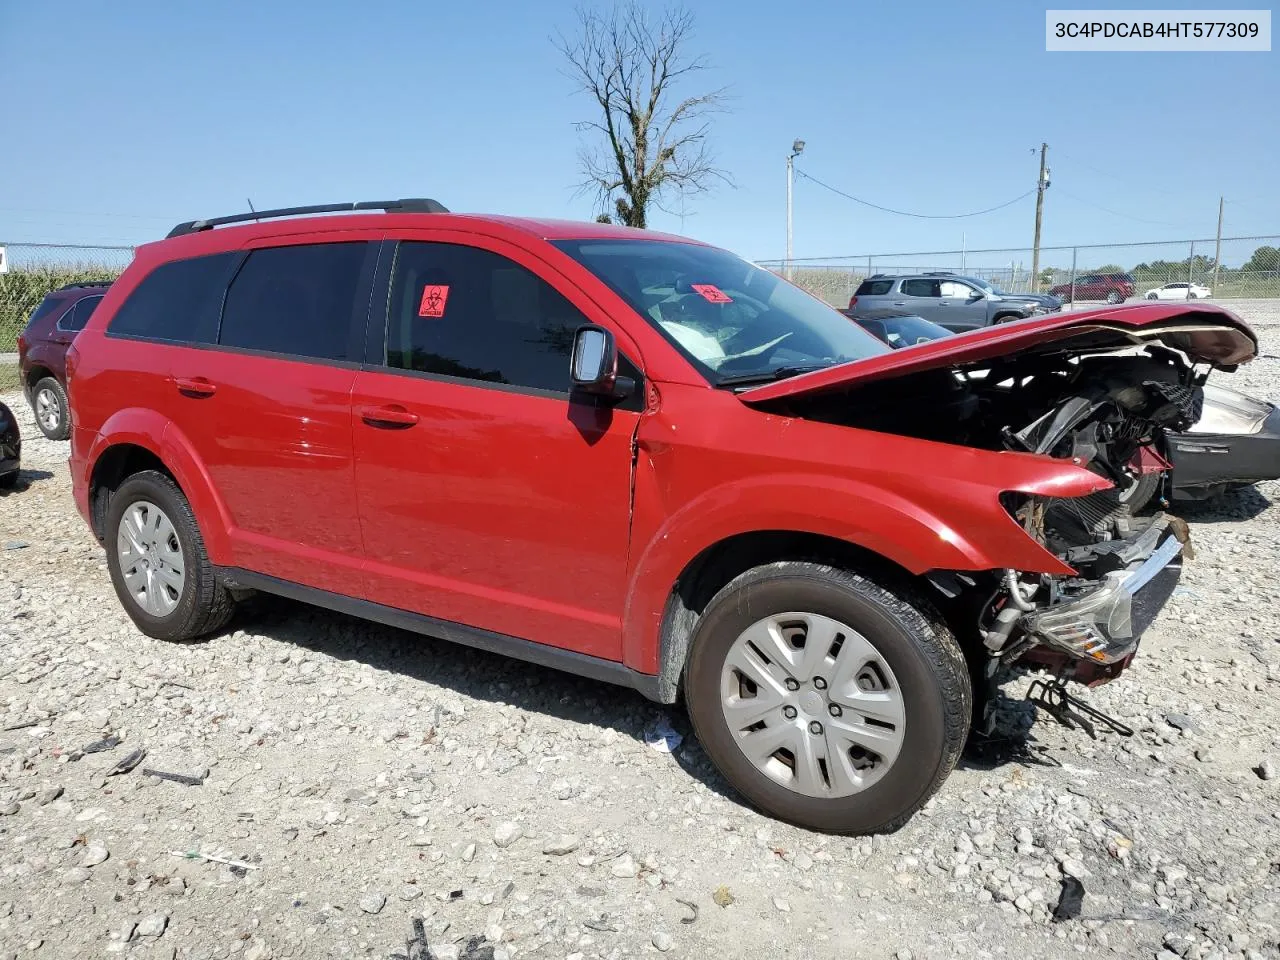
(641, 459)
(42, 352)
(1111, 287)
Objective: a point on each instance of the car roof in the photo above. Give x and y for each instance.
(207, 240)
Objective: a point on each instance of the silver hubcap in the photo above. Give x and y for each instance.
(48, 410)
(151, 560)
(812, 704)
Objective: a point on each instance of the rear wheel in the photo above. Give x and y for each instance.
(1115, 297)
(158, 563)
(49, 403)
(1153, 296)
(826, 700)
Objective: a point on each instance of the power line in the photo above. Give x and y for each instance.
(1124, 216)
(905, 213)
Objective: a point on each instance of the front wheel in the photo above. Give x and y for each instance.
(1153, 296)
(826, 700)
(1115, 297)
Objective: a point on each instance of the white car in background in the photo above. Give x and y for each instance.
(1179, 291)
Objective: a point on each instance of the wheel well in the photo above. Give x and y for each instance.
(36, 374)
(1006, 316)
(113, 467)
(710, 570)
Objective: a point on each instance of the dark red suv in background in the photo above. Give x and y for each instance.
(642, 459)
(42, 352)
(1111, 287)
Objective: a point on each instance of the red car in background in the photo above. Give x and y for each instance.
(641, 459)
(42, 352)
(1111, 287)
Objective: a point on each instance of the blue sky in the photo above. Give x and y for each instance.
(122, 118)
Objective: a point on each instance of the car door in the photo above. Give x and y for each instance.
(960, 306)
(920, 295)
(489, 495)
(267, 406)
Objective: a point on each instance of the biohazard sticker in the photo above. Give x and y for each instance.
(434, 298)
(711, 293)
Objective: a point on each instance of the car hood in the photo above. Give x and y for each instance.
(1205, 333)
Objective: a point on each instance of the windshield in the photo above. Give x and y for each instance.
(908, 331)
(735, 321)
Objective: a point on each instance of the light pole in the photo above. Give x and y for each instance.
(797, 148)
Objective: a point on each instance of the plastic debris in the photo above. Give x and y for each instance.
(1070, 900)
(663, 737)
(127, 762)
(197, 855)
(722, 896)
(98, 746)
(692, 906)
(181, 778)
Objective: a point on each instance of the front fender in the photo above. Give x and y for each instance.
(161, 437)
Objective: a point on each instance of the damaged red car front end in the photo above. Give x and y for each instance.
(1093, 390)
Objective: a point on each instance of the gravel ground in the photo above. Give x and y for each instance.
(362, 778)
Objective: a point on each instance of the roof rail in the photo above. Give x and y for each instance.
(410, 205)
(87, 283)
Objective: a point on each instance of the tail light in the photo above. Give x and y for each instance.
(852, 302)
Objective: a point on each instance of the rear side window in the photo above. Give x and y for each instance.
(466, 312)
(178, 301)
(298, 300)
(78, 316)
(874, 288)
(920, 288)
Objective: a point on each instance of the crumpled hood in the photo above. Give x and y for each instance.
(1203, 332)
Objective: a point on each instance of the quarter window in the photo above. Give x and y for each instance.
(298, 300)
(178, 301)
(465, 312)
(874, 288)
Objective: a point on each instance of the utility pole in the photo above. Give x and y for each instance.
(1217, 247)
(797, 148)
(1041, 185)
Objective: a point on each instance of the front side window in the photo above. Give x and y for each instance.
(956, 290)
(465, 312)
(732, 319)
(75, 318)
(178, 301)
(297, 300)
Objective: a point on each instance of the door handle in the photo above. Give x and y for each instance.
(899, 303)
(196, 387)
(390, 417)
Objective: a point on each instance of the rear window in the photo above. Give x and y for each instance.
(178, 301)
(50, 304)
(297, 300)
(874, 288)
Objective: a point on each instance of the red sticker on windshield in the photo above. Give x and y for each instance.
(434, 297)
(711, 293)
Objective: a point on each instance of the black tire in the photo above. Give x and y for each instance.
(1153, 296)
(9, 480)
(1115, 297)
(1006, 318)
(205, 605)
(59, 397)
(925, 659)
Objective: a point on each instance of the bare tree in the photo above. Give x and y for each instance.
(654, 143)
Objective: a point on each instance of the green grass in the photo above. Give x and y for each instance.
(9, 378)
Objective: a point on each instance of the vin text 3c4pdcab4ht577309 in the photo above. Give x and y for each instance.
(638, 458)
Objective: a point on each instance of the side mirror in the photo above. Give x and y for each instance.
(976, 296)
(593, 366)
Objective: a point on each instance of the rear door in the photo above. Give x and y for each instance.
(921, 296)
(268, 407)
(489, 495)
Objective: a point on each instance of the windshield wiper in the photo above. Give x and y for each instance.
(768, 376)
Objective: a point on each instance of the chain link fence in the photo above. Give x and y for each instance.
(1245, 267)
(28, 271)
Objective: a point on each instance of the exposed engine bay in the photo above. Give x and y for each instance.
(1106, 412)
